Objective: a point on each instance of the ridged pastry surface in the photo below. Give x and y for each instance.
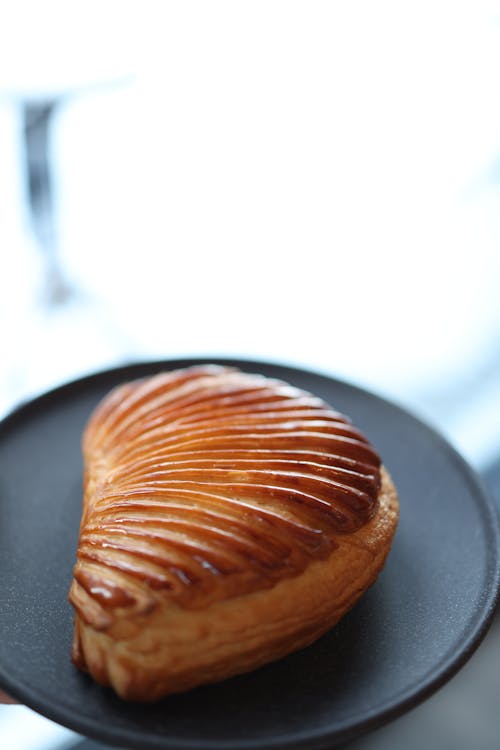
(208, 483)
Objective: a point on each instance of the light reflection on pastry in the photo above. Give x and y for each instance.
(228, 519)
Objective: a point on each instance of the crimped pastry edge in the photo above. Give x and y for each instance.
(171, 649)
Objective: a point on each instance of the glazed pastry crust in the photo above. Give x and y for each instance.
(148, 643)
(160, 652)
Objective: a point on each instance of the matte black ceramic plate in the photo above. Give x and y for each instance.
(406, 637)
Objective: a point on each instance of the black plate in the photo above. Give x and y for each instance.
(407, 636)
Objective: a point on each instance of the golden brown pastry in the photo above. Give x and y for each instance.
(228, 519)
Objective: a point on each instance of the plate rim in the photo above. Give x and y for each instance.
(350, 727)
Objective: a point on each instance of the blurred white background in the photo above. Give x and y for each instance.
(315, 183)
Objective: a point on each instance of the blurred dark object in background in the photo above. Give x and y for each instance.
(37, 120)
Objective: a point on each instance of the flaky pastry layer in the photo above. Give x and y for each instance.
(229, 519)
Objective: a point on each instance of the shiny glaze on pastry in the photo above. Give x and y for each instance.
(208, 483)
(228, 519)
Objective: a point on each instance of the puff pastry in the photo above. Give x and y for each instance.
(228, 519)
